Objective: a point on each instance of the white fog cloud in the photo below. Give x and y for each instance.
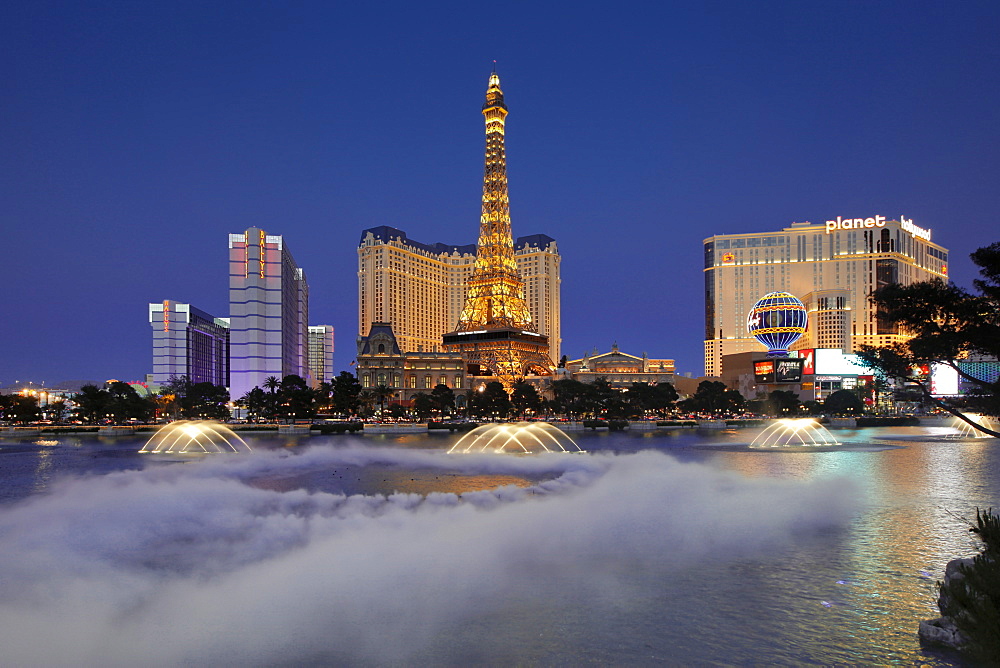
(189, 563)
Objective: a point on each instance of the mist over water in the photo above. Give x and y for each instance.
(213, 562)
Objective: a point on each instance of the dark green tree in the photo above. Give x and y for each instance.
(323, 396)
(126, 403)
(16, 408)
(56, 410)
(205, 401)
(713, 396)
(782, 403)
(383, 395)
(444, 398)
(366, 403)
(643, 397)
(92, 403)
(571, 397)
(424, 405)
(947, 323)
(491, 402)
(295, 400)
(525, 398)
(843, 402)
(345, 394)
(605, 400)
(256, 404)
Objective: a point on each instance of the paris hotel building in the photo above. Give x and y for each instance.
(420, 289)
(832, 267)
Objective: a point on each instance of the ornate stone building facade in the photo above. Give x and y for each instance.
(621, 369)
(381, 361)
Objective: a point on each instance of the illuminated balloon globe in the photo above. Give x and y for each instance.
(777, 320)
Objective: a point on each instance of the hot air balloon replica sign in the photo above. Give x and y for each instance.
(777, 320)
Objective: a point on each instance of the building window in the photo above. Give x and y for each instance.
(413, 382)
(443, 380)
(427, 382)
(381, 379)
(366, 380)
(458, 382)
(395, 380)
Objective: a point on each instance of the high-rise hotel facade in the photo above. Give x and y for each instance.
(420, 289)
(268, 312)
(320, 354)
(832, 267)
(190, 343)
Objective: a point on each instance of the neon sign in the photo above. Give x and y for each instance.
(854, 223)
(918, 232)
(877, 221)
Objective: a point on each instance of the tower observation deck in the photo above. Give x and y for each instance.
(495, 333)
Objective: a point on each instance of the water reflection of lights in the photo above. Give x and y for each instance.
(196, 436)
(966, 430)
(792, 432)
(522, 437)
(43, 469)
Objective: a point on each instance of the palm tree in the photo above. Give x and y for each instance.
(323, 394)
(272, 384)
(367, 399)
(383, 392)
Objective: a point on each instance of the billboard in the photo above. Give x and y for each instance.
(788, 370)
(763, 371)
(944, 380)
(831, 361)
(808, 357)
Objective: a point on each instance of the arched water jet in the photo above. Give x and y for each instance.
(195, 437)
(523, 437)
(794, 432)
(965, 430)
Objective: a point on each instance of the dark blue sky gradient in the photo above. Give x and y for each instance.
(135, 136)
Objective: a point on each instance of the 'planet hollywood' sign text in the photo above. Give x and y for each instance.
(876, 221)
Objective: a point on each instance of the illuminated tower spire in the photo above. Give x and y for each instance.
(496, 291)
(495, 329)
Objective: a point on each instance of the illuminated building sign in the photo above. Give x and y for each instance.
(728, 258)
(876, 221)
(788, 370)
(854, 223)
(763, 371)
(919, 232)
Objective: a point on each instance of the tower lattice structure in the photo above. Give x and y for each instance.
(495, 330)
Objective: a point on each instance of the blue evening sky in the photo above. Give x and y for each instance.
(135, 136)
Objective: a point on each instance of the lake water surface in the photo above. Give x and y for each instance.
(670, 547)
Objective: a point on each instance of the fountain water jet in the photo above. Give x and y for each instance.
(540, 436)
(195, 436)
(965, 430)
(794, 432)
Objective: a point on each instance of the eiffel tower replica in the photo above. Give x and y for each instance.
(495, 334)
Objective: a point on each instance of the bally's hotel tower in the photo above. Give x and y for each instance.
(268, 312)
(832, 267)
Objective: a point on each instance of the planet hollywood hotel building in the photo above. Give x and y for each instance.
(832, 267)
